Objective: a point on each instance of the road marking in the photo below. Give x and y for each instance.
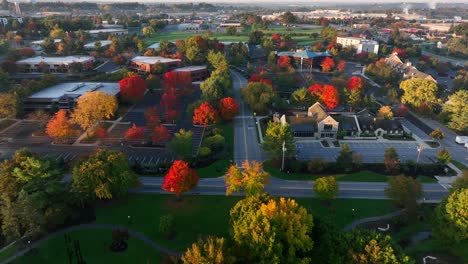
(243, 121)
(202, 185)
(157, 162)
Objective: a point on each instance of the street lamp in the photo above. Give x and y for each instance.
(129, 220)
(29, 245)
(420, 148)
(284, 150)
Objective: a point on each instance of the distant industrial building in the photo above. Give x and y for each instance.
(146, 63)
(114, 31)
(189, 26)
(361, 45)
(54, 64)
(65, 95)
(198, 73)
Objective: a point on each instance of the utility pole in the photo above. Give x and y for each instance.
(284, 150)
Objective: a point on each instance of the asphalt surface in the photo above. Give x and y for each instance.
(358, 190)
(246, 146)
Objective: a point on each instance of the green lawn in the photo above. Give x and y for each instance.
(204, 215)
(459, 165)
(6, 123)
(219, 167)
(94, 246)
(8, 252)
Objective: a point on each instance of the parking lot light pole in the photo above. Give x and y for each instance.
(284, 150)
(419, 154)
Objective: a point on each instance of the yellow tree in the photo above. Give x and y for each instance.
(212, 250)
(385, 112)
(250, 179)
(92, 107)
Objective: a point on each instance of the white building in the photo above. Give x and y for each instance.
(189, 26)
(361, 45)
(54, 64)
(113, 31)
(92, 45)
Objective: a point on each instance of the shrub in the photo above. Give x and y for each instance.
(215, 143)
(317, 165)
(166, 225)
(204, 152)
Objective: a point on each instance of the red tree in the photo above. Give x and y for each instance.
(402, 110)
(330, 97)
(134, 133)
(181, 81)
(255, 77)
(59, 127)
(171, 115)
(315, 89)
(327, 64)
(180, 178)
(355, 83)
(341, 65)
(160, 134)
(132, 88)
(229, 108)
(276, 38)
(205, 114)
(152, 117)
(401, 53)
(101, 133)
(284, 61)
(27, 52)
(169, 99)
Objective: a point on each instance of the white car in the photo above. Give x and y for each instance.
(466, 145)
(461, 139)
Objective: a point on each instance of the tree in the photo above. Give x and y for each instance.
(302, 97)
(355, 83)
(250, 179)
(211, 250)
(92, 107)
(169, 99)
(27, 52)
(341, 66)
(213, 89)
(132, 88)
(258, 95)
(8, 105)
(277, 133)
(327, 94)
(391, 161)
(328, 33)
(228, 108)
(288, 18)
(451, 218)
(134, 133)
(385, 112)
(205, 115)
(365, 246)
(405, 192)
(148, 31)
(284, 61)
(57, 33)
(344, 161)
(101, 133)
(272, 231)
(417, 92)
(327, 64)
(181, 81)
(152, 117)
(276, 38)
(160, 135)
(326, 187)
(461, 182)
(231, 31)
(444, 156)
(181, 144)
(104, 175)
(59, 128)
(437, 134)
(180, 178)
(457, 107)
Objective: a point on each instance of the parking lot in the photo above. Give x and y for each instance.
(370, 151)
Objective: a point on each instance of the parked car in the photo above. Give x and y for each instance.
(461, 139)
(466, 145)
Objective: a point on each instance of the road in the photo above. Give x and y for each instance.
(246, 146)
(357, 190)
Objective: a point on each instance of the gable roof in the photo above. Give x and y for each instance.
(317, 111)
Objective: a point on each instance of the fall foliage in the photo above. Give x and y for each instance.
(101, 132)
(327, 94)
(355, 83)
(160, 134)
(284, 61)
(59, 127)
(169, 99)
(327, 64)
(229, 108)
(250, 180)
(181, 81)
(152, 117)
(205, 115)
(341, 66)
(134, 133)
(180, 178)
(132, 88)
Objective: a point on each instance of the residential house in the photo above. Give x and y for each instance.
(370, 125)
(407, 70)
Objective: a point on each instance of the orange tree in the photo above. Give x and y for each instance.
(60, 128)
(205, 115)
(229, 108)
(180, 178)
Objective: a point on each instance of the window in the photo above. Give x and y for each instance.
(327, 127)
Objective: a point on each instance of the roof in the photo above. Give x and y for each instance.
(75, 89)
(347, 123)
(317, 111)
(153, 59)
(302, 122)
(106, 30)
(154, 46)
(40, 42)
(104, 43)
(388, 124)
(310, 54)
(191, 68)
(393, 60)
(56, 60)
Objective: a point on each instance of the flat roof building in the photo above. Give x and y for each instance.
(114, 31)
(198, 73)
(54, 64)
(360, 44)
(65, 95)
(92, 45)
(145, 63)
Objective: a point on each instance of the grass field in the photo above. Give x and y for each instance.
(94, 246)
(6, 123)
(8, 252)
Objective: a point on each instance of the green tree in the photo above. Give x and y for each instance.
(231, 31)
(148, 31)
(250, 179)
(277, 133)
(288, 18)
(326, 187)
(210, 250)
(103, 175)
(371, 247)
(258, 95)
(181, 144)
(418, 92)
(328, 33)
(255, 37)
(271, 231)
(8, 105)
(344, 161)
(405, 192)
(451, 221)
(302, 97)
(460, 82)
(355, 99)
(391, 161)
(444, 156)
(461, 182)
(457, 107)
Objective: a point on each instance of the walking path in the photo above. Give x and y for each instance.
(372, 219)
(140, 236)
